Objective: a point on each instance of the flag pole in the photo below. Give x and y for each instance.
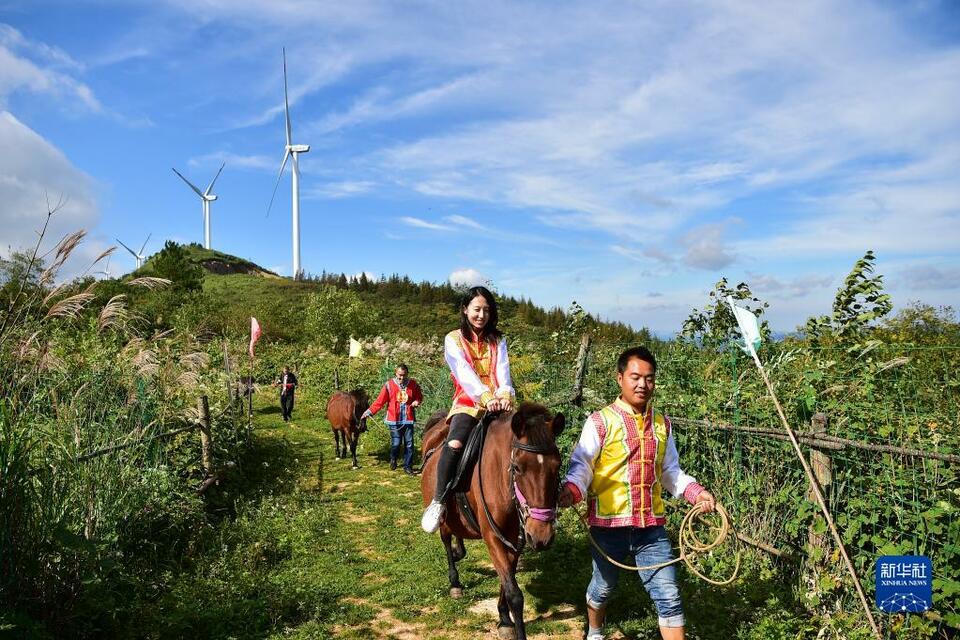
(250, 398)
(255, 332)
(814, 485)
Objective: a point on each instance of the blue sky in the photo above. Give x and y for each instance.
(625, 155)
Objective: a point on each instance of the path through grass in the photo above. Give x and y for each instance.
(319, 550)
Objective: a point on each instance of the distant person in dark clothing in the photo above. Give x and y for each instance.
(288, 384)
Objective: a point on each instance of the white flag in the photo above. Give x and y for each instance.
(355, 348)
(749, 328)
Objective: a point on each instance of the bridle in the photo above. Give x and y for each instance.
(524, 510)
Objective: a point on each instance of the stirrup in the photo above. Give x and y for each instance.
(432, 515)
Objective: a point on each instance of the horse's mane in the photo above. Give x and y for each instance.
(360, 396)
(535, 418)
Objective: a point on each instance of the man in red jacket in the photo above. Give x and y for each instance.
(404, 396)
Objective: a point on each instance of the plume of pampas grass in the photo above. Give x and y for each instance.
(62, 251)
(194, 361)
(145, 362)
(71, 306)
(188, 380)
(27, 347)
(49, 361)
(57, 290)
(896, 362)
(108, 252)
(148, 282)
(113, 313)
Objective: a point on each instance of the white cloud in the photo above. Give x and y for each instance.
(706, 249)
(344, 189)
(369, 274)
(464, 221)
(419, 223)
(928, 278)
(42, 76)
(468, 278)
(795, 287)
(39, 172)
(234, 160)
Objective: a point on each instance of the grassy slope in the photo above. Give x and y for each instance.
(320, 550)
(282, 302)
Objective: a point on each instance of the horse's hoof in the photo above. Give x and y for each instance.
(456, 592)
(355, 467)
(507, 633)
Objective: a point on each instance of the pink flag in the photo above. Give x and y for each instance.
(254, 333)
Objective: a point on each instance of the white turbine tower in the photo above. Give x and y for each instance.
(291, 150)
(137, 255)
(206, 198)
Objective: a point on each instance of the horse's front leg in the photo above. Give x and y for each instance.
(505, 628)
(511, 597)
(461, 551)
(354, 437)
(456, 589)
(514, 597)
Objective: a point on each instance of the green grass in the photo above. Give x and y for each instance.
(320, 550)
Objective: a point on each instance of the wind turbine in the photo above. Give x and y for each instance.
(206, 198)
(137, 255)
(291, 151)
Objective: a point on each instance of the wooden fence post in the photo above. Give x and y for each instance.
(581, 372)
(206, 438)
(822, 467)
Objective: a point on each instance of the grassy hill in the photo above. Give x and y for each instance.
(220, 263)
(235, 289)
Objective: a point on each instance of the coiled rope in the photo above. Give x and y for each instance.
(690, 543)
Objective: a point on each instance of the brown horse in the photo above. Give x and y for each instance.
(343, 412)
(512, 492)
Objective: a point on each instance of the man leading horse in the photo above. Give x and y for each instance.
(624, 459)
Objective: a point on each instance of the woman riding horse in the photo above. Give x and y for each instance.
(477, 356)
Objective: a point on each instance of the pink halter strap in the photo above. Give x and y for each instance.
(543, 515)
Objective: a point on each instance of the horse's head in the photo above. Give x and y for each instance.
(534, 471)
(361, 402)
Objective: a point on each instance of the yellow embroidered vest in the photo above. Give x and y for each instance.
(626, 488)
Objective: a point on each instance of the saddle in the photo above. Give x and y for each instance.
(463, 474)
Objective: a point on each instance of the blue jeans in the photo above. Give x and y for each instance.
(401, 433)
(643, 546)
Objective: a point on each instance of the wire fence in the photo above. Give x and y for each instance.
(889, 412)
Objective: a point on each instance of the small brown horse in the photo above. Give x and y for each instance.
(516, 503)
(343, 412)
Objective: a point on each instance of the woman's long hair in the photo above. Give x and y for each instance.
(490, 331)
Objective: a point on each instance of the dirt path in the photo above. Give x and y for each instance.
(399, 573)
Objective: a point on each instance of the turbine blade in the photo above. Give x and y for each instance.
(286, 101)
(127, 248)
(286, 154)
(209, 188)
(192, 186)
(145, 242)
